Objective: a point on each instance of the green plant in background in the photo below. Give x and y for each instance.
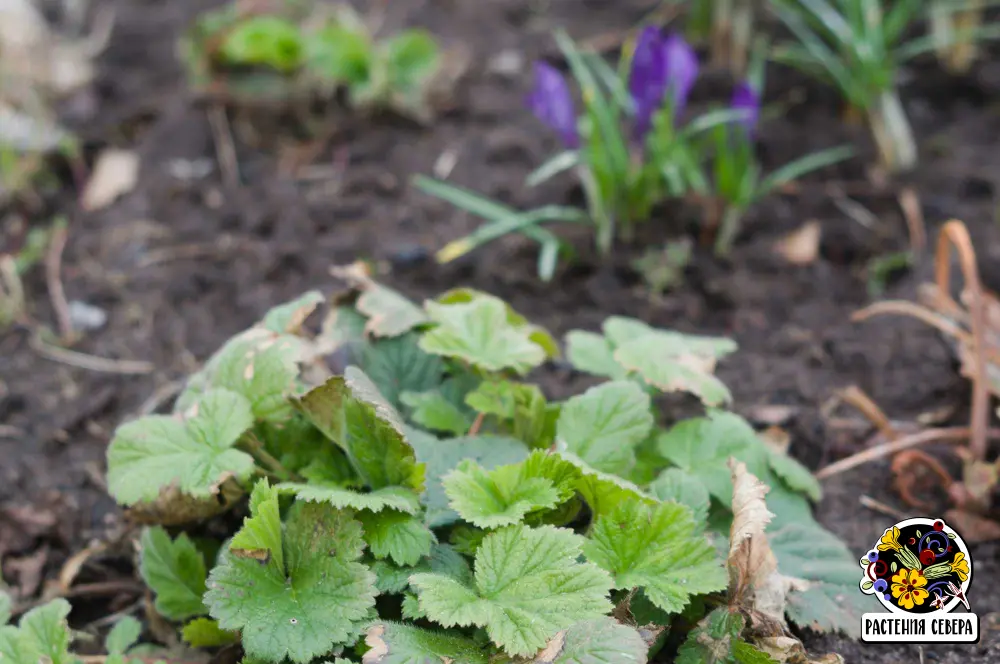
(955, 27)
(492, 524)
(628, 149)
(305, 49)
(858, 46)
(736, 174)
(726, 26)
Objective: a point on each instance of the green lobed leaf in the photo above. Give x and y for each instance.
(674, 362)
(521, 409)
(528, 586)
(398, 365)
(536, 333)
(605, 424)
(352, 412)
(598, 641)
(123, 635)
(152, 453)
(41, 636)
(300, 610)
(830, 600)
(592, 353)
(433, 411)
(288, 318)
(262, 367)
(388, 498)
(264, 40)
(340, 54)
(499, 497)
(175, 571)
(656, 548)
(675, 484)
(796, 476)
(443, 455)
(402, 537)
(395, 643)
(712, 641)
(479, 332)
(601, 491)
(206, 633)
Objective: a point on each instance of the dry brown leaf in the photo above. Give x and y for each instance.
(377, 647)
(71, 568)
(801, 247)
(173, 508)
(115, 174)
(789, 650)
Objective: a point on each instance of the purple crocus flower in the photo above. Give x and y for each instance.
(746, 99)
(660, 66)
(551, 102)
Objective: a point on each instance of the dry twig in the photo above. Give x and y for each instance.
(89, 362)
(53, 279)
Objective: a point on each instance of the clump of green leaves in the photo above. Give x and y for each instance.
(43, 635)
(304, 49)
(426, 502)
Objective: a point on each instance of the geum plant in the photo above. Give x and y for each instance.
(302, 49)
(859, 46)
(426, 503)
(628, 149)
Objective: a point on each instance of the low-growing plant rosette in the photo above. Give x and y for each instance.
(428, 502)
(918, 567)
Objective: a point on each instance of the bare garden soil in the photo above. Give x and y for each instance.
(183, 263)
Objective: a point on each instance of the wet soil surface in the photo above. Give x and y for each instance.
(181, 264)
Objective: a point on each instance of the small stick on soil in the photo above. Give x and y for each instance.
(8, 431)
(909, 202)
(53, 279)
(856, 397)
(225, 148)
(882, 508)
(101, 588)
(89, 362)
(185, 251)
(948, 435)
(954, 234)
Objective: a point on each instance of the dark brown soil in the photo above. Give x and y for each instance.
(180, 266)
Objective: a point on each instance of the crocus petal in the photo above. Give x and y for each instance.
(745, 99)
(551, 102)
(682, 69)
(647, 81)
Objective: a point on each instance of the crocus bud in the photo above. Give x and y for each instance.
(647, 81)
(551, 102)
(682, 69)
(746, 100)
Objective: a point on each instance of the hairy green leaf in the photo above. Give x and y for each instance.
(441, 456)
(397, 365)
(712, 641)
(206, 633)
(601, 491)
(351, 412)
(794, 474)
(299, 609)
(6, 607)
(262, 367)
(433, 411)
(829, 599)
(402, 537)
(499, 497)
(528, 586)
(657, 549)
(175, 571)
(388, 498)
(675, 484)
(605, 424)
(592, 353)
(123, 635)
(152, 453)
(521, 409)
(478, 332)
(394, 643)
(42, 636)
(598, 641)
(674, 362)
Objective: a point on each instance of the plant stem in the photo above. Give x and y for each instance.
(891, 130)
(729, 228)
(255, 448)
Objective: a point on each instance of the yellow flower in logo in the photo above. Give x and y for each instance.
(908, 588)
(960, 566)
(890, 540)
